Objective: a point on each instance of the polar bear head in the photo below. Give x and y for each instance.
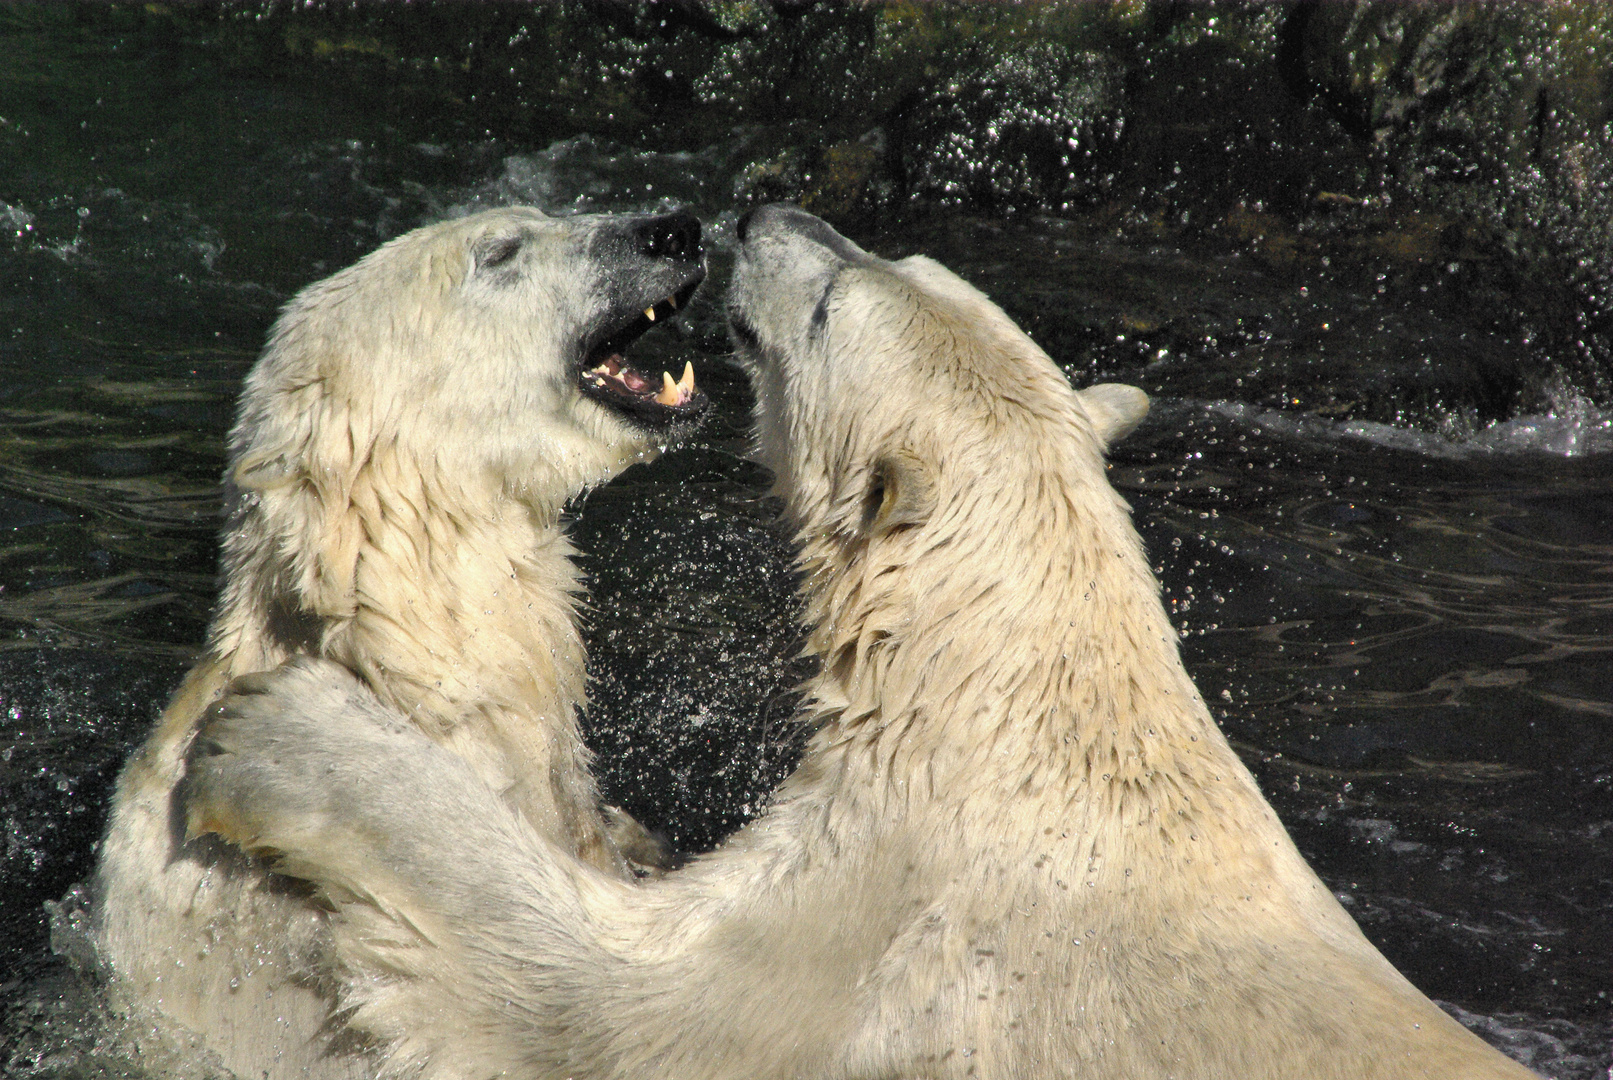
(947, 484)
(428, 411)
(490, 347)
(880, 382)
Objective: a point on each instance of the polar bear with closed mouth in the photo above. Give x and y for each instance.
(403, 451)
(1017, 846)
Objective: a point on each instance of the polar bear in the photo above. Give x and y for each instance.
(1017, 846)
(403, 451)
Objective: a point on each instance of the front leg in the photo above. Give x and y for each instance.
(468, 946)
(303, 767)
(430, 876)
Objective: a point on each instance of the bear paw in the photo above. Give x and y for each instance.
(279, 757)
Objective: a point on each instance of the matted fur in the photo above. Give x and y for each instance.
(403, 450)
(1018, 845)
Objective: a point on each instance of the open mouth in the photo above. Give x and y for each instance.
(657, 400)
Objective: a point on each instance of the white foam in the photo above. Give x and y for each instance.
(15, 220)
(1572, 427)
(1548, 1046)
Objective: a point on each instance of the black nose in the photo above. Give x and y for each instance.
(671, 236)
(743, 226)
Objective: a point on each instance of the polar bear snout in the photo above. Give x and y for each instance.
(671, 236)
(787, 268)
(654, 265)
(784, 219)
(659, 253)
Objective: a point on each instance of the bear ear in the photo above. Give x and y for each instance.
(1114, 409)
(902, 492)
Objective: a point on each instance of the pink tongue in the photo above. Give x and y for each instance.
(633, 380)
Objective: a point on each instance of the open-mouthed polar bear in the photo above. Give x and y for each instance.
(404, 448)
(1017, 846)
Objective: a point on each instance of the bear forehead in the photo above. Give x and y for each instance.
(916, 314)
(525, 221)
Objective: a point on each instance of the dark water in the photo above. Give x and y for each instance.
(1407, 628)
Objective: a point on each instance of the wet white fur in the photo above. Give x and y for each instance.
(403, 450)
(1018, 845)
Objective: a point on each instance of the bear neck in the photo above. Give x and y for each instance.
(1051, 672)
(449, 596)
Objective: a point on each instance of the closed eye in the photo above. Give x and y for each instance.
(496, 251)
(820, 314)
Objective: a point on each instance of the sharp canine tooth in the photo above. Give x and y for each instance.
(649, 313)
(686, 383)
(669, 390)
(672, 302)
